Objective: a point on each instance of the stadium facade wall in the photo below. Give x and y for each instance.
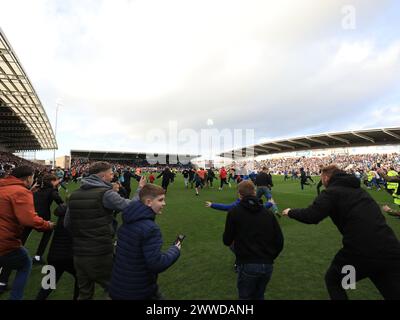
(63, 162)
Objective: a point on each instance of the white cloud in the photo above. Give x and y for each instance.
(124, 67)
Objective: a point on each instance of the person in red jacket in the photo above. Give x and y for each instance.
(17, 212)
(222, 175)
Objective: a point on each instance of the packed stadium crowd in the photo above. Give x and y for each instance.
(360, 162)
(290, 165)
(9, 161)
(125, 260)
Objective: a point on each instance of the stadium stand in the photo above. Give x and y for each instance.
(24, 124)
(360, 138)
(131, 158)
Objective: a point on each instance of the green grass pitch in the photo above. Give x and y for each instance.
(205, 268)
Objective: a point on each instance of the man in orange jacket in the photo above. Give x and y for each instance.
(17, 211)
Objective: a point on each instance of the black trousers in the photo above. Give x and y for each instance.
(223, 181)
(303, 183)
(164, 185)
(61, 267)
(385, 275)
(128, 190)
(122, 192)
(46, 236)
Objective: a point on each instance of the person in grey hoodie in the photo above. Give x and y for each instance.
(90, 219)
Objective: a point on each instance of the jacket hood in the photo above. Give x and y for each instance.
(93, 181)
(345, 180)
(11, 181)
(252, 203)
(137, 211)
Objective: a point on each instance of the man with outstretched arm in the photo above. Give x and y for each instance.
(369, 244)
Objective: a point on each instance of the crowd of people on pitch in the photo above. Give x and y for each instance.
(125, 260)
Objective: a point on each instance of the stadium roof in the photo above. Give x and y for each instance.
(349, 139)
(126, 156)
(23, 121)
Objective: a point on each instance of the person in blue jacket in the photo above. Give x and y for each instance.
(138, 258)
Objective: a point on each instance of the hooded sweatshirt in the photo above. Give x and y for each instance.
(254, 232)
(357, 217)
(16, 212)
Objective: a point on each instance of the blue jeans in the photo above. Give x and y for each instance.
(17, 260)
(252, 280)
(268, 194)
(264, 191)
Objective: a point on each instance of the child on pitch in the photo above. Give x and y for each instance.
(270, 204)
(138, 258)
(226, 207)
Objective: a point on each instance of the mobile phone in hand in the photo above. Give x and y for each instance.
(180, 239)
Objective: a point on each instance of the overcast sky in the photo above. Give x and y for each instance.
(283, 68)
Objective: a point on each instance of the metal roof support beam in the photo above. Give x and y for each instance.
(6, 76)
(271, 147)
(338, 139)
(283, 145)
(9, 114)
(363, 136)
(21, 105)
(391, 134)
(20, 122)
(300, 143)
(238, 153)
(317, 141)
(5, 51)
(16, 94)
(260, 148)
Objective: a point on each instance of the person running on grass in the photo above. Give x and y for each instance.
(369, 245)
